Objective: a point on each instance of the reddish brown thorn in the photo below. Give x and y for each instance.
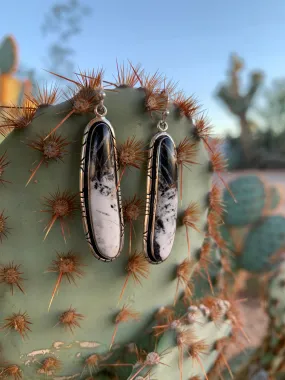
(70, 113)
(10, 275)
(52, 149)
(86, 95)
(152, 359)
(172, 323)
(187, 106)
(190, 218)
(150, 83)
(92, 363)
(214, 221)
(90, 79)
(204, 261)
(130, 154)
(164, 315)
(12, 371)
(68, 266)
(183, 274)
(220, 346)
(49, 366)
(156, 101)
(186, 153)
(194, 378)
(195, 350)
(126, 76)
(216, 203)
(133, 208)
(4, 229)
(18, 322)
(16, 118)
(125, 315)
(184, 339)
(70, 319)
(188, 294)
(3, 165)
(137, 268)
(45, 96)
(202, 131)
(61, 206)
(214, 306)
(219, 165)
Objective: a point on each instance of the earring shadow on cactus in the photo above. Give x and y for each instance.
(3, 166)
(4, 229)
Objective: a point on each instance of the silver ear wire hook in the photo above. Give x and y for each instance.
(100, 109)
(162, 124)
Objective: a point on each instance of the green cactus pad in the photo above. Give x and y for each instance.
(99, 285)
(250, 193)
(262, 242)
(274, 198)
(167, 347)
(8, 56)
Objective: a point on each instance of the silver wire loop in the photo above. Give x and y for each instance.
(100, 110)
(162, 125)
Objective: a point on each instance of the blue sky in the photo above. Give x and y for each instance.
(190, 41)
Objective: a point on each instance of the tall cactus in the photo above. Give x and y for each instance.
(125, 318)
(239, 103)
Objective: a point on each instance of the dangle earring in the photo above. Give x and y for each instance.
(162, 195)
(99, 189)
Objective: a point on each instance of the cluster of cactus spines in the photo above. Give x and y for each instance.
(89, 326)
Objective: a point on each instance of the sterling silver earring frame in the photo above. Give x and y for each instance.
(162, 196)
(100, 193)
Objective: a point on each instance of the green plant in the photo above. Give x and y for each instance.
(88, 330)
(250, 192)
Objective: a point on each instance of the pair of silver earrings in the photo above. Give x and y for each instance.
(101, 195)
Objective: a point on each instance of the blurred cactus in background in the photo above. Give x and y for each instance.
(11, 88)
(238, 103)
(261, 119)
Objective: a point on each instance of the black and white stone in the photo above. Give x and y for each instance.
(162, 204)
(101, 194)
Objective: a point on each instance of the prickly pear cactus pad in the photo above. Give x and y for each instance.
(65, 314)
(263, 242)
(250, 192)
